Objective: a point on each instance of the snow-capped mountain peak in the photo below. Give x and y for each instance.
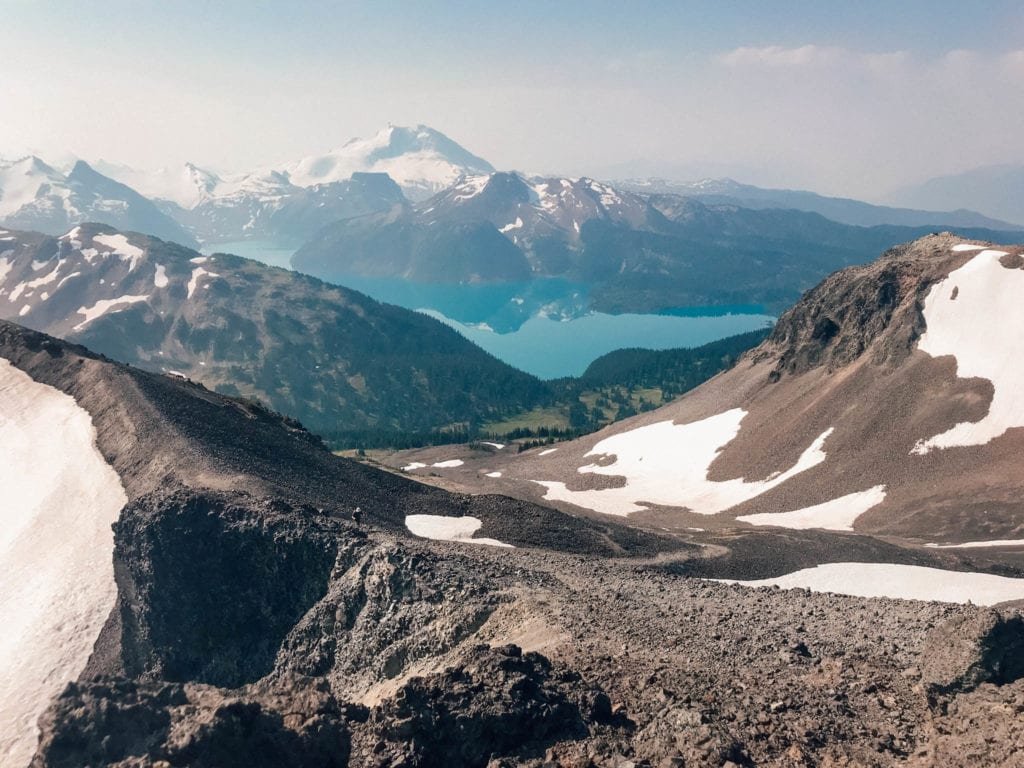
(22, 180)
(186, 185)
(420, 159)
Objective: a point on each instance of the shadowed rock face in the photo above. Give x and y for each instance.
(121, 722)
(972, 650)
(500, 701)
(216, 585)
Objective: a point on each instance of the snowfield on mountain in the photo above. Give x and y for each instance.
(56, 548)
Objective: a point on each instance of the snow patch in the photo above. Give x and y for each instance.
(905, 582)
(74, 237)
(981, 329)
(451, 463)
(56, 551)
(31, 285)
(160, 277)
(469, 187)
(442, 528)
(197, 273)
(121, 246)
(546, 451)
(517, 224)
(496, 446)
(835, 515)
(493, 474)
(980, 544)
(413, 465)
(967, 247)
(104, 306)
(667, 464)
(24, 310)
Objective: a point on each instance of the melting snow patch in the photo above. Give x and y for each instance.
(56, 551)
(967, 247)
(470, 186)
(442, 528)
(448, 464)
(197, 273)
(104, 306)
(200, 259)
(667, 464)
(120, 245)
(834, 515)
(24, 310)
(31, 285)
(906, 582)
(160, 278)
(981, 329)
(493, 474)
(413, 465)
(546, 451)
(496, 446)
(73, 237)
(517, 224)
(980, 544)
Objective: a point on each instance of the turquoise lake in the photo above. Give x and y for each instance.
(542, 327)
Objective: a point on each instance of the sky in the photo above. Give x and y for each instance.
(857, 99)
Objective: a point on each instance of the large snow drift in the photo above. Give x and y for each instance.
(667, 464)
(56, 546)
(907, 582)
(833, 515)
(976, 315)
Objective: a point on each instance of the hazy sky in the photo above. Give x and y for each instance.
(851, 98)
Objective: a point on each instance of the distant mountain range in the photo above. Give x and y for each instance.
(634, 252)
(995, 189)
(941, 213)
(287, 204)
(36, 196)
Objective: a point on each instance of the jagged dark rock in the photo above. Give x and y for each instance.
(118, 722)
(498, 702)
(986, 647)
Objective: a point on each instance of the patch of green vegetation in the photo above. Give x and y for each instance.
(615, 386)
(555, 417)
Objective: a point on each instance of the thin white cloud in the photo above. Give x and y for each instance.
(780, 56)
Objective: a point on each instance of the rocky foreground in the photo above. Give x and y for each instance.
(413, 654)
(259, 624)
